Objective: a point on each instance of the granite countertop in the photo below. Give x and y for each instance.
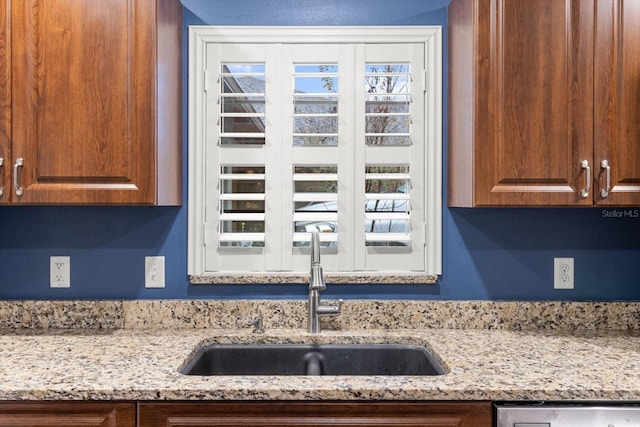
(143, 364)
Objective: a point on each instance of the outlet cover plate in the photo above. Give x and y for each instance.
(563, 273)
(60, 272)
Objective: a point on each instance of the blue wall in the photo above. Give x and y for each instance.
(488, 253)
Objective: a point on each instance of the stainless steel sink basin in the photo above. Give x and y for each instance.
(312, 359)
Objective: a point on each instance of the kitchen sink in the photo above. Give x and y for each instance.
(313, 359)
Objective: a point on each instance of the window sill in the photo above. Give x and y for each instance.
(330, 278)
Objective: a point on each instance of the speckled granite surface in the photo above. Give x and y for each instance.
(356, 314)
(491, 365)
(373, 314)
(331, 278)
(493, 351)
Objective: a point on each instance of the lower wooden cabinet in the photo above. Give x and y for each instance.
(337, 414)
(245, 414)
(61, 414)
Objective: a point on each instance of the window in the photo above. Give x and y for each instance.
(293, 129)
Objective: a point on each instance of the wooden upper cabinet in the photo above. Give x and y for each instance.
(5, 104)
(521, 101)
(617, 106)
(96, 113)
(531, 83)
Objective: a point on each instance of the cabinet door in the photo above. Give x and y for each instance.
(315, 414)
(617, 102)
(68, 414)
(5, 104)
(522, 94)
(84, 100)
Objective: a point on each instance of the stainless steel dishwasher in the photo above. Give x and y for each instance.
(567, 415)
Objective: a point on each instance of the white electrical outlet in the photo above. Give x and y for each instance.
(154, 272)
(60, 272)
(563, 273)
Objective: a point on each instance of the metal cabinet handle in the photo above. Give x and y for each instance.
(16, 184)
(1, 174)
(607, 186)
(585, 192)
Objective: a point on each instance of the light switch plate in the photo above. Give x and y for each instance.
(154, 272)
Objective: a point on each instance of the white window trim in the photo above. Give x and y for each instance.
(200, 36)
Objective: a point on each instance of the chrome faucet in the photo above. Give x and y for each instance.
(316, 284)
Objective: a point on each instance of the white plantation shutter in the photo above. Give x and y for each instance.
(315, 101)
(242, 101)
(388, 213)
(298, 129)
(241, 201)
(315, 209)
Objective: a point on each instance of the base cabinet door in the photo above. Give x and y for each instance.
(397, 414)
(61, 414)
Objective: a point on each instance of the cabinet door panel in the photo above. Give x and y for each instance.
(617, 108)
(99, 414)
(82, 85)
(521, 102)
(536, 78)
(401, 414)
(5, 104)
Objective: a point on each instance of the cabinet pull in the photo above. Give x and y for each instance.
(607, 186)
(1, 174)
(16, 184)
(585, 192)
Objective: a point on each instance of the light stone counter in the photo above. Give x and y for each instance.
(493, 351)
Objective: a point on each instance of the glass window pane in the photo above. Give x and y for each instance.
(315, 102)
(316, 79)
(244, 68)
(242, 104)
(243, 226)
(387, 104)
(387, 206)
(315, 140)
(388, 124)
(388, 140)
(242, 125)
(315, 179)
(315, 105)
(315, 203)
(387, 78)
(242, 205)
(391, 103)
(239, 179)
(315, 125)
(241, 140)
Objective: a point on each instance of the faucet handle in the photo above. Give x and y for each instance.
(329, 310)
(257, 323)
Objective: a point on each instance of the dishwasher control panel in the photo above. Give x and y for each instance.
(567, 415)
